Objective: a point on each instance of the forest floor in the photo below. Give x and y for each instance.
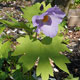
(73, 35)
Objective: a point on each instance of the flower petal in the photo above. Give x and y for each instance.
(37, 18)
(51, 30)
(42, 15)
(34, 18)
(56, 11)
(49, 25)
(38, 30)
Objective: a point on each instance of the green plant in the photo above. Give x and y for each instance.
(31, 49)
(70, 77)
(77, 28)
(77, 1)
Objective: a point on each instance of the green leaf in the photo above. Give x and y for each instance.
(47, 48)
(2, 27)
(70, 77)
(18, 75)
(16, 24)
(77, 28)
(45, 7)
(1, 63)
(3, 75)
(4, 49)
(66, 41)
(61, 26)
(29, 12)
(77, 1)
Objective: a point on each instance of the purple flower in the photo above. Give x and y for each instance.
(47, 22)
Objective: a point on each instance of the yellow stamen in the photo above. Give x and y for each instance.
(45, 18)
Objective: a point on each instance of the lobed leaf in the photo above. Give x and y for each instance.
(29, 12)
(4, 49)
(47, 48)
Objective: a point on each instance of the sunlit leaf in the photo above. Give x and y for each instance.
(4, 49)
(45, 7)
(47, 48)
(29, 12)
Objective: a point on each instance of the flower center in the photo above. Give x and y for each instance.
(45, 18)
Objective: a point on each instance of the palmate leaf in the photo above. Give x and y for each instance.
(29, 12)
(4, 49)
(47, 48)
